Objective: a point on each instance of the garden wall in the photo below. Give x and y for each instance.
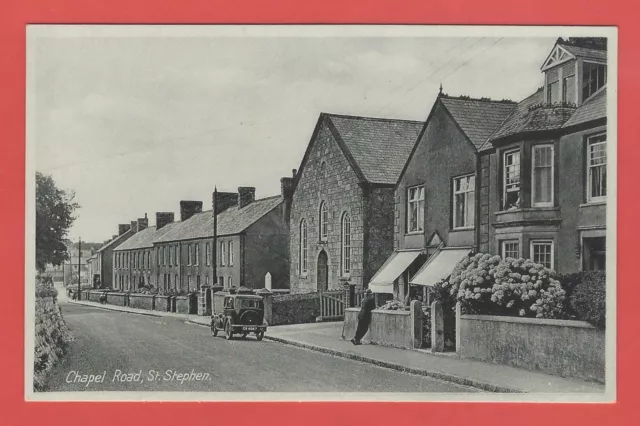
(399, 329)
(295, 308)
(50, 335)
(119, 299)
(142, 301)
(163, 303)
(564, 348)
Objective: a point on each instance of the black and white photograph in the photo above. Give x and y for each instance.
(326, 212)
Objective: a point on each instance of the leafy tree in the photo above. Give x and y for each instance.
(54, 217)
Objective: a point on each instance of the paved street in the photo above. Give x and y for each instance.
(162, 349)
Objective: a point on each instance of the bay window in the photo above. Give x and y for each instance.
(511, 248)
(464, 202)
(542, 176)
(415, 209)
(597, 168)
(511, 180)
(542, 252)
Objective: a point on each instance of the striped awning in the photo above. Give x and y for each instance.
(396, 264)
(439, 266)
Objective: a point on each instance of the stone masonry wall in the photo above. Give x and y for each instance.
(379, 229)
(50, 334)
(338, 186)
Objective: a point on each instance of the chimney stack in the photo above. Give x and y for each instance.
(163, 218)
(224, 201)
(246, 195)
(189, 208)
(143, 223)
(122, 228)
(286, 190)
(134, 226)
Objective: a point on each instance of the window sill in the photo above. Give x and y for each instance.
(594, 203)
(408, 234)
(466, 228)
(303, 277)
(527, 209)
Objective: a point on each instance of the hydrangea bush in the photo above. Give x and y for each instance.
(489, 285)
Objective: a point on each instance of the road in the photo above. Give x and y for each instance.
(167, 354)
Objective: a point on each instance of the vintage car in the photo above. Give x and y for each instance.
(238, 314)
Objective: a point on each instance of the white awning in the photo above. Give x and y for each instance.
(439, 266)
(396, 264)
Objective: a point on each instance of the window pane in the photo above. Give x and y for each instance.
(459, 210)
(553, 95)
(569, 89)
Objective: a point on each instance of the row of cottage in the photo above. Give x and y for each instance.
(389, 204)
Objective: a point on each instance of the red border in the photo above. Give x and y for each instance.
(15, 14)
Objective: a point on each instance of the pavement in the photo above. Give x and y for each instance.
(327, 338)
(115, 351)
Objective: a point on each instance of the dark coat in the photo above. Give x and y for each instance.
(368, 305)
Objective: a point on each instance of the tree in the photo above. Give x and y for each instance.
(54, 217)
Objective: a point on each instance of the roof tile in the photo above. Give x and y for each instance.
(231, 221)
(379, 146)
(594, 108)
(478, 118)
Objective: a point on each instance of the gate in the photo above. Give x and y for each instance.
(332, 303)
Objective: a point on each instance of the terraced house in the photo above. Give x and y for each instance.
(252, 242)
(435, 196)
(518, 180)
(104, 269)
(134, 260)
(342, 210)
(545, 195)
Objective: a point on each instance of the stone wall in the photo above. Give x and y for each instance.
(142, 301)
(397, 329)
(563, 348)
(337, 184)
(50, 334)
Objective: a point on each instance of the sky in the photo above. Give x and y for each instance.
(135, 124)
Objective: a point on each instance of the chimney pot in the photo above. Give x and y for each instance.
(294, 172)
(246, 195)
(163, 218)
(223, 201)
(143, 223)
(189, 208)
(123, 227)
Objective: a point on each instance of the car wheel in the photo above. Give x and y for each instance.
(227, 330)
(259, 335)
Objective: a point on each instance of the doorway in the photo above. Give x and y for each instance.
(322, 275)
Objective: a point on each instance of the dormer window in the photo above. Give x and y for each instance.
(552, 92)
(594, 76)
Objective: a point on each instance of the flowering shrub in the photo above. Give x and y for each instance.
(393, 305)
(586, 297)
(489, 285)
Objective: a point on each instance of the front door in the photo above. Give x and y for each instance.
(323, 271)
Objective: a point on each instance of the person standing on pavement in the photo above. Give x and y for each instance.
(364, 317)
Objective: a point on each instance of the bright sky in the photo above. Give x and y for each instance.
(134, 125)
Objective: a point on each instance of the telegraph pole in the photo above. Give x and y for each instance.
(214, 252)
(79, 258)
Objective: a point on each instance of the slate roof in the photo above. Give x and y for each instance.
(478, 118)
(230, 222)
(380, 147)
(594, 108)
(531, 115)
(586, 52)
(117, 239)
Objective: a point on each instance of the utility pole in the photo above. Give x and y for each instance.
(214, 252)
(79, 257)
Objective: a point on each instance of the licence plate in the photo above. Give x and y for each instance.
(250, 328)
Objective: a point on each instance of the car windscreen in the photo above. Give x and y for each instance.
(249, 303)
